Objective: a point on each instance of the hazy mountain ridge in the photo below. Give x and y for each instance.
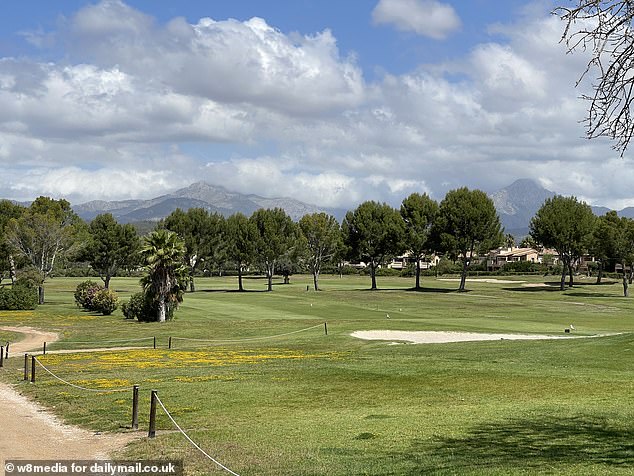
(213, 198)
(518, 203)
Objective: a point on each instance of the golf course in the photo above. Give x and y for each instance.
(272, 383)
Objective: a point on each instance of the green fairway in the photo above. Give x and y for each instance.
(267, 400)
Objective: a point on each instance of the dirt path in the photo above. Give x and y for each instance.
(29, 431)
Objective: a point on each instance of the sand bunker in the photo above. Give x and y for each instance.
(443, 337)
(483, 280)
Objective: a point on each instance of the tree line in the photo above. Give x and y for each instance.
(46, 235)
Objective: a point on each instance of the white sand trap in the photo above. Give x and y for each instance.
(443, 337)
(539, 285)
(483, 280)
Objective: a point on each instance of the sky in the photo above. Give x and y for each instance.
(325, 101)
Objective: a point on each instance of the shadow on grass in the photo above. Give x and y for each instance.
(536, 443)
(231, 291)
(597, 295)
(419, 290)
(434, 290)
(534, 289)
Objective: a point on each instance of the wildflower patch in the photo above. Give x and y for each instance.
(170, 359)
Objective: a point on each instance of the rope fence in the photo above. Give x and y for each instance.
(155, 399)
(189, 439)
(106, 341)
(247, 339)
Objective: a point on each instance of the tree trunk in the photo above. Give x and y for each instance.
(269, 275)
(463, 276)
(192, 286)
(373, 275)
(600, 275)
(570, 283)
(564, 270)
(12, 273)
(106, 282)
(161, 309)
(240, 288)
(625, 283)
(316, 280)
(631, 276)
(40, 294)
(417, 273)
(287, 279)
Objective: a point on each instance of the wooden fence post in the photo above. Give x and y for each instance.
(32, 369)
(44, 349)
(1, 356)
(26, 367)
(152, 430)
(326, 328)
(155, 342)
(169, 343)
(6, 351)
(135, 407)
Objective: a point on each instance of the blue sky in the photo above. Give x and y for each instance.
(330, 102)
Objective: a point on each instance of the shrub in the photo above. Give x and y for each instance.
(347, 270)
(18, 298)
(142, 307)
(29, 278)
(94, 297)
(522, 267)
(134, 307)
(85, 293)
(386, 271)
(446, 266)
(105, 301)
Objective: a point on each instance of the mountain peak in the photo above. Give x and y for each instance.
(199, 194)
(517, 203)
(525, 185)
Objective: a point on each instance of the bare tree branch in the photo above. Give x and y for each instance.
(604, 27)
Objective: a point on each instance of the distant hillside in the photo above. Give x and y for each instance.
(518, 203)
(198, 195)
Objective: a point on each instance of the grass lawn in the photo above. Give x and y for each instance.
(307, 403)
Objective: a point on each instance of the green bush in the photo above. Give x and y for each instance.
(105, 301)
(347, 270)
(142, 307)
(30, 278)
(387, 272)
(446, 266)
(134, 307)
(18, 298)
(93, 296)
(522, 267)
(85, 293)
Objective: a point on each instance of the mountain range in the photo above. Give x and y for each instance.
(518, 203)
(202, 195)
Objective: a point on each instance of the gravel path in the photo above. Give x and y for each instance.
(29, 431)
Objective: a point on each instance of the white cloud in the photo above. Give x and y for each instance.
(223, 61)
(288, 115)
(429, 18)
(81, 185)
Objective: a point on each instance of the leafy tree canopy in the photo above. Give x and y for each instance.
(467, 224)
(373, 232)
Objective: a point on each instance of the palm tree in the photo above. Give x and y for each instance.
(163, 253)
